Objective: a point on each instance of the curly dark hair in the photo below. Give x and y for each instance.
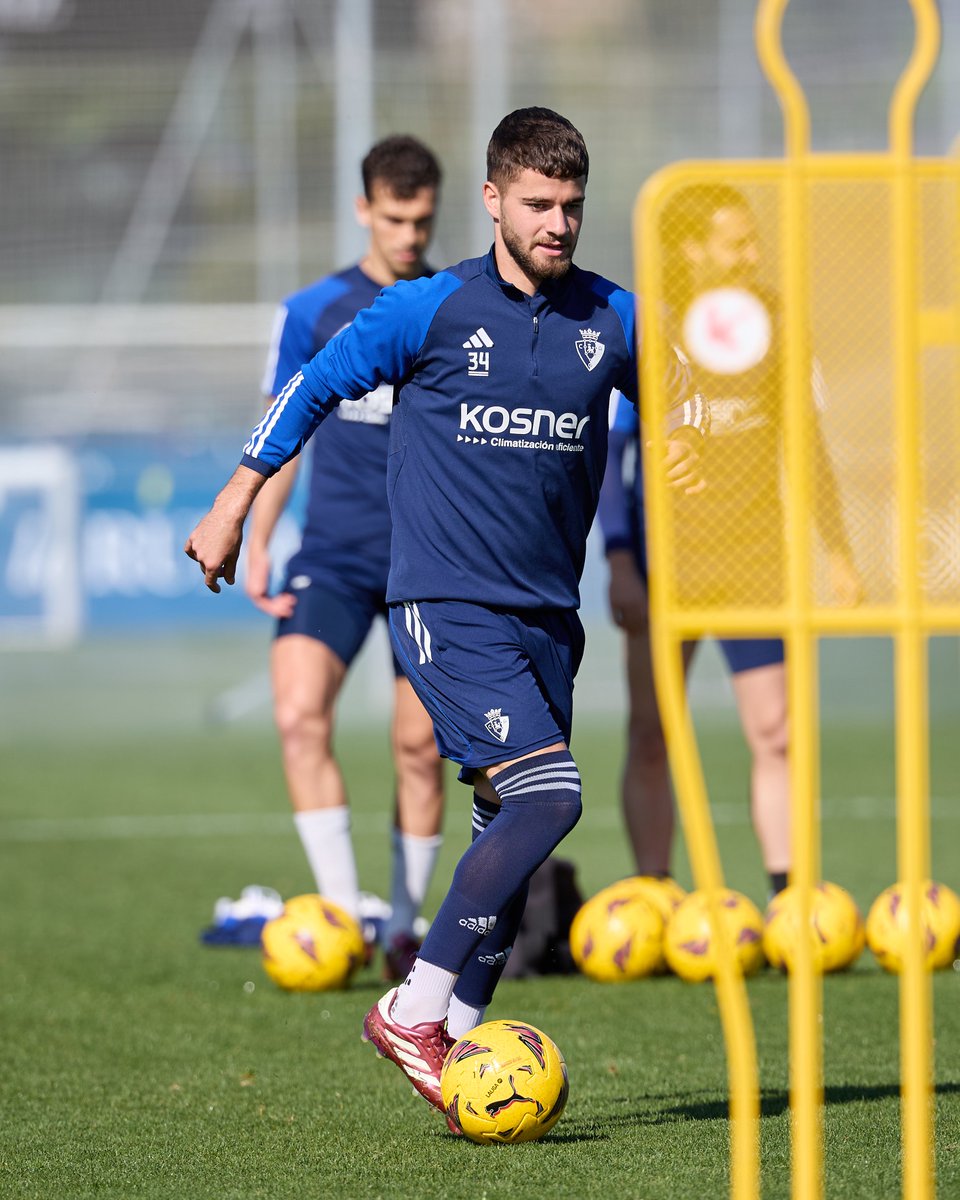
(536, 139)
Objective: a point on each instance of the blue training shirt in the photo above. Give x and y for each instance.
(346, 532)
(499, 435)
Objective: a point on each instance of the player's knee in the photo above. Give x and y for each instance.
(569, 812)
(299, 725)
(415, 751)
(769, 738)
(546, 785)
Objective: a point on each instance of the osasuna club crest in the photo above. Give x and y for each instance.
(590, 348)
(498, 724)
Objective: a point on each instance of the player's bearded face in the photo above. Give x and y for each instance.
(540, 222)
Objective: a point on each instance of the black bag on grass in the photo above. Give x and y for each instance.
(542, 944)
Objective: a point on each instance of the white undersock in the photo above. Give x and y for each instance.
(424, 995)
(325, 834)
(413, 861)
(461, 1018)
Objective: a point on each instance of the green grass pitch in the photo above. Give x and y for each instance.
(139, 1063)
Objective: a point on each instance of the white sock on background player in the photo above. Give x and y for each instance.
(413, 861)
(325, 834)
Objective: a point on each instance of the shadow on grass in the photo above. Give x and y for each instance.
(773, 1103)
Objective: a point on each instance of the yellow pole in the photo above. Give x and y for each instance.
(912, 720)
(805, 988)
(667, 648)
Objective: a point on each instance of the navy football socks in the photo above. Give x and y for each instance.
(539, 805)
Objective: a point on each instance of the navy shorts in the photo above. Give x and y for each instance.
(745, 654)
(339, 617)
(498, 684)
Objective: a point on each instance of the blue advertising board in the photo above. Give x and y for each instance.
(136, 500)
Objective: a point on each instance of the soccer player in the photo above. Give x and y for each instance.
(336, 583)
(504, 366)
(710, 242)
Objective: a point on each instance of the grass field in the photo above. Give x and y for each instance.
(137, 1062)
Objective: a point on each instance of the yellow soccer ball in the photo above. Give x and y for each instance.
(939, 920)
(836, 928)
(313, 946)
(689, 946)
(617, 935)
(663, 893)
(504, 1081)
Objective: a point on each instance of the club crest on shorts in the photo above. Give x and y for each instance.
(498, 725)
(590, 348)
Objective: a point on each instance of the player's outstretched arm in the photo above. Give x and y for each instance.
(215, 542)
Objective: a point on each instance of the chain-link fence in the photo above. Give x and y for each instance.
(205, 153)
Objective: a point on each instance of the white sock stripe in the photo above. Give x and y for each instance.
(560, 771)
(543, 787)
(561, 783)
(482, 818)
(566, 764)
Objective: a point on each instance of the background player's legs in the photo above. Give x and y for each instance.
(419, 818)
(762, 702)
(307, 677)
(647, 796)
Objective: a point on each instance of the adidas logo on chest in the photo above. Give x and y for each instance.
(478, 346)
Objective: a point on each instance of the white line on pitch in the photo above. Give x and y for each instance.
(192, 825)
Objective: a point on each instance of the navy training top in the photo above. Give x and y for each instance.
(499, 436)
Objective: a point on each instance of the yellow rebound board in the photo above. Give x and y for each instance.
(834, 366)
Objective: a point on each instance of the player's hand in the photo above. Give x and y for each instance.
(683, 464)
(257, 585)
(845, 581)
(215, 545)
(627, 593)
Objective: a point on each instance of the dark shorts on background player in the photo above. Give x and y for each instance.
(340, 618)
(746, 654)
(497, 684)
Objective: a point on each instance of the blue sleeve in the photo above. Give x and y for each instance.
(293, 339)
(685, 406)
(290, 345)
(614, 509)
(624, 305)
(380, 346)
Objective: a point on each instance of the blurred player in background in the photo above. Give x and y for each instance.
(336, 583)
(711, 265)
(499, 438)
